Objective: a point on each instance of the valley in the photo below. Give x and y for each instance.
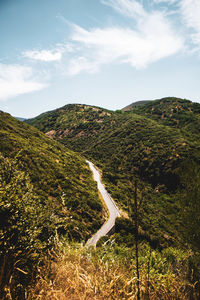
(133, 145)
(46, 177)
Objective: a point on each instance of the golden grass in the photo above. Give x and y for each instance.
(79, 274)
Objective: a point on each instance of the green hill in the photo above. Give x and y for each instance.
(134, 105)
(46, 190)
(75, 125)
(173, 112)
(136, 145)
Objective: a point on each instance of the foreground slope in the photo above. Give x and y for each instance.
(136, 145)
(58, 175)
(46, 190)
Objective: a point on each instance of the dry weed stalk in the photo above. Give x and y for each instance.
(76, 274)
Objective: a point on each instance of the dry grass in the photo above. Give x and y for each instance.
(79, 274)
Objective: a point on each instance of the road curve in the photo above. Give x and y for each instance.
(112, 208)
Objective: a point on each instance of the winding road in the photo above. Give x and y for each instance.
(112, 208)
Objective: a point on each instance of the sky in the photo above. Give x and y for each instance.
(107, 53)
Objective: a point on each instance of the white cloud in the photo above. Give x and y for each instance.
(44, 55)
(81, 63)
(152, 39)
(190, 10)
(130, 8)
(16, 80)
(165, 1)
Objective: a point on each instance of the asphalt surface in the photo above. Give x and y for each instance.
(109, 202)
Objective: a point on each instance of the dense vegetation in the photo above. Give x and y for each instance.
(77, 126)
(140, 144)
(158, 145)
(46, 191)
(174, 112)
(109, 272)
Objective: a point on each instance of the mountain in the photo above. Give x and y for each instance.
(173, 112)
(138, 145)
(134, 105)
(46, 190)
(20, 119)
(159, 153)
(75, 125)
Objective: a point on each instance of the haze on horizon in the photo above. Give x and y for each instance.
(107, 53)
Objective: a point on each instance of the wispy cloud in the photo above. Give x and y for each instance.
(190, 10)
(81, 63)
(16, 80)
(44, 55)
(165, 1)
(130, 8)
(152, 36)
(152, 39)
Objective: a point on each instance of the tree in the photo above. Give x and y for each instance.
(189, 199)
(134, 216)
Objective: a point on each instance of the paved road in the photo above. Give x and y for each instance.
(112, 208)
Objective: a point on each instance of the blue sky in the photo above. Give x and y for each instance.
(108, 53)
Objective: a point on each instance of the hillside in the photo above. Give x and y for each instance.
(156, 156)
(54, 171)
(20, 119)
(130, 146)
(46, 191)
(134, 105)
(173, 112)
(75, 125)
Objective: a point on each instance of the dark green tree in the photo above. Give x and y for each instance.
(190, 217)
(190, 204)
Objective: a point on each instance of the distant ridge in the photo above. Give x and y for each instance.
(20, 119)
(135, 104)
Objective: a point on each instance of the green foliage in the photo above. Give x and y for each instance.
(75, 125)
(189, 198)
(23, 221)
(153, 144)
(148, 144)
(58, 175)
(45, 190)
(174, 112)
(109, 272)
(160, 267)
